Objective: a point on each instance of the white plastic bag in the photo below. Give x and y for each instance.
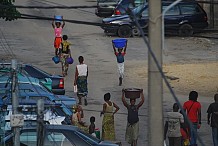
(75, 88)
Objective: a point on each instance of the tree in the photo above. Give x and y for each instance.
(8, 11)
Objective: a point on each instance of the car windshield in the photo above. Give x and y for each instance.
(89, 136)
(36, 68)
(138, 9)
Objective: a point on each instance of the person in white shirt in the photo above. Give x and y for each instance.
(80, 81)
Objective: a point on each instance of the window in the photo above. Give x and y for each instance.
(172, 11)
(189, 9)
(57, 139)
(29, 138)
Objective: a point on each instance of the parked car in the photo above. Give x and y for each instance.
(29, 110)
(105, 8)
(56, 81)
(125, 5)
(5, 76)
(57, 135)
(35, 92)
(184, 19)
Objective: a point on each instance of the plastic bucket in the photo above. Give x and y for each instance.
(70, 60)
(58, 18)
(97, 133)
(56, 59)
(119, 43)
(132, 93)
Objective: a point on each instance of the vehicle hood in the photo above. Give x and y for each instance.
(115, 18)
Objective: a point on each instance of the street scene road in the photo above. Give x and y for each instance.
(190, 63)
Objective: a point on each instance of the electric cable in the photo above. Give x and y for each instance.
(162, 73)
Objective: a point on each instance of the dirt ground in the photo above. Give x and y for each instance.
(192, 72)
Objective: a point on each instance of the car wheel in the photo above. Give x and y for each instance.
(186, 30)
(124, 31)
(136, 32)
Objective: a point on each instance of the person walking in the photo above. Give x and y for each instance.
(64, 54)
(192, 109)
(120, 61)
(132, 128)
(108, 128)
(172, 126)
(212, 119)
(80, 81)
(57, 26)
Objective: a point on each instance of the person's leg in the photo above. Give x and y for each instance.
(170, 141)
(85, 100)
(79, 98)
(177, 141)
(193, 134)
(119, 65)
(215, 136)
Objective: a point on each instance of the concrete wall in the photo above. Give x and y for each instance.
(212, 13)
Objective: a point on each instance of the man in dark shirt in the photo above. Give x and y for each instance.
(132, 129)
(212, 119)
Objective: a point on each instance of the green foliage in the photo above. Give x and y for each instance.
(8, 11)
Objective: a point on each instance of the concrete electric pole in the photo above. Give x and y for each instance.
(155, 83)
(15, 120)
(40, 122)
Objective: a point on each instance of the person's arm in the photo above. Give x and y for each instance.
(199, 117)
(63, 23)
(79, 118)
(114, 48)
(208, 114)
(165, 130)
(87, 72)
(142, 99)
(69, 52)
(81, 112)
(123, 99)
(208, 118)
(104, 109)
(76, 76)
(53, 24)
(117, 108)
(125, 47)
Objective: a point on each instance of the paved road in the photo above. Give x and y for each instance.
(31, 41)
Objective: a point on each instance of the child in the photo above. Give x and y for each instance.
(92, 126)
(120, 61)
(58, 34)
(64, 54)
(172, 126)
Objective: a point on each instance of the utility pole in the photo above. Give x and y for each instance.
(15, 104)
(155, 83)
(40, 122)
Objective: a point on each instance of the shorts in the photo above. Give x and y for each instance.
(57, 42)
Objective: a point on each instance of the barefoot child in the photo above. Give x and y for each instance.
(58, 34)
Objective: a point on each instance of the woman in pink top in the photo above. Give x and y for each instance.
(58, 34)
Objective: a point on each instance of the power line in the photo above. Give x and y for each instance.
(45, 7)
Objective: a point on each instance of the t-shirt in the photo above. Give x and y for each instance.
(65, 47)
(132, 114)
(213, 109)
(120, 57)
(82, 69)
(58, 32)
(192, 108)
(174, 119)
